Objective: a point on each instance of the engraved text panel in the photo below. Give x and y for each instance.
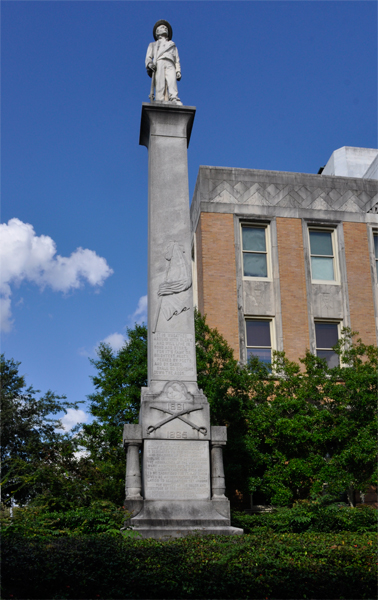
(173, 355)
(176, 470)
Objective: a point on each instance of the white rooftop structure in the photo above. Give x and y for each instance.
(349, 161)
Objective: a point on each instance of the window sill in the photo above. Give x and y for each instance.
(325, 282)
(246, 278)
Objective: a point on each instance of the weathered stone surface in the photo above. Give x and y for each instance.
(173, 355)
(132, 433)
(173, 518)
(171, 349)
(218, 434)
(163, 65)
(181, 493)
(176, 470)
(175, 420)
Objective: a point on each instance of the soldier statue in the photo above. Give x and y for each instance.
(163, 65)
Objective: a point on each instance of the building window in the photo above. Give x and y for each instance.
(375, 235)
(255, 255)
(327, 336)
(322, 255)
(259, 339)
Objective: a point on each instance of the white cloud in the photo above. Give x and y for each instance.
(24, 256)
(115, 341)
(73, 417)
(83, 352)
(140, 315)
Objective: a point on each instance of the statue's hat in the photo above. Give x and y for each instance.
(162, 22)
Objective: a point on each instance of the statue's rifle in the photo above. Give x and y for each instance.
(152, 95)
(153, 78)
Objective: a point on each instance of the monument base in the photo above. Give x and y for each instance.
(174, 519)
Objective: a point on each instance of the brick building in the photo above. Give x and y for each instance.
(285, 260)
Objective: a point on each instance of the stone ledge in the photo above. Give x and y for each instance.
(167, 533)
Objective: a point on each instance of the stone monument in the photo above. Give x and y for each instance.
(180, 488)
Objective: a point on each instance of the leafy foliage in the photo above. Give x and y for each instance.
(294, 432)
(100, 517)
(34, 455)
(227, 386)
(290, 430)
(115, 402)
(310, 516)
(292, 566)
(312, 432)
(119, 381)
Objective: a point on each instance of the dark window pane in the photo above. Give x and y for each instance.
(264, 354)
(376, 245)
(254, 239)
(322, 268)
(326, 335)
(258, 333)
(321, 242)
(254, 265)
(331, 357)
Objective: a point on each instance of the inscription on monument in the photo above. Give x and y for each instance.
(173, 355)
(176, 470)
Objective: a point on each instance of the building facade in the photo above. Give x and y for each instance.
(282, 261)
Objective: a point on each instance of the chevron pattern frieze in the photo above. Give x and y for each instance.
(273, 194)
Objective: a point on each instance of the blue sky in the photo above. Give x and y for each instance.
(277, 85)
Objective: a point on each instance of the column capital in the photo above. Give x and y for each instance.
(132, 435)
(218, 435)
(168, 116)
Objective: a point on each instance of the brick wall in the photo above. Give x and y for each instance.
(216, 272)
(293, 288)
(361, 302)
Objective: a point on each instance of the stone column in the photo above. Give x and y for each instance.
(165, 131)
(218, 483)
(133, 476)
(132, 442)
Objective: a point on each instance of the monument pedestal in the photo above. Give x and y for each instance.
(177, 498)
(181, 487)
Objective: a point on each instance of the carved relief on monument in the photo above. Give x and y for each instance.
(327, 301)
(258, 297)
(173, 414)
(177, 279)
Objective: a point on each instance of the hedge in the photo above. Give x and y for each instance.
(101, 517)
(263, 565)
(311, 516)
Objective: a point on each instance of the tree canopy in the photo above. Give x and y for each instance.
(32, 447)
(295, 431)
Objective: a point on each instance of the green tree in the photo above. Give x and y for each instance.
(116, 401)
(312, 432)
(32, 448)
(291, 430)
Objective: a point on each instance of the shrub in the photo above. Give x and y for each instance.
(291, 566)
(311, 516)
(100, 517)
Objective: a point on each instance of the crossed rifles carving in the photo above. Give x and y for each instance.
(178, 415)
